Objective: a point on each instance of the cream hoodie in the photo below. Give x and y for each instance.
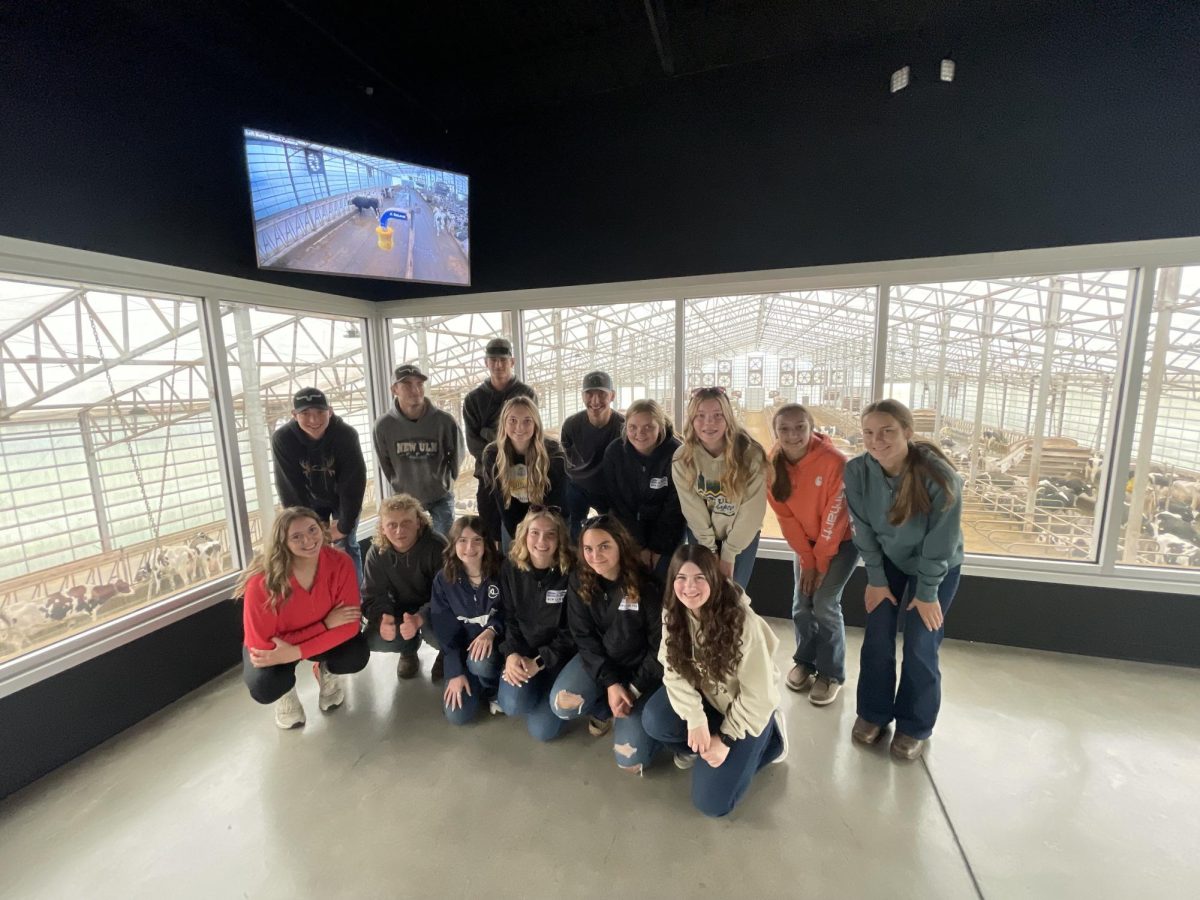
(748, 698)
(713, 516)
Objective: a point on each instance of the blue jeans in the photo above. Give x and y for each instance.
(820, 631)
(579, 503)
(482, 676)
(743, 564)
(354, 550)
(915, 705)
(532, 700)
(632, 747)
(715, 792)
(441, 511)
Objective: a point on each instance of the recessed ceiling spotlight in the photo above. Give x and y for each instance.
(900, 79)
(947, 69)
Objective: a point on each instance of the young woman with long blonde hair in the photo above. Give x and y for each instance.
(300, 601)
(720, 474)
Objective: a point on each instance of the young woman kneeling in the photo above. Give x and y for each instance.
(537, 642)
(466, 612)
(720, 693)
(615, 618)
(300, 602)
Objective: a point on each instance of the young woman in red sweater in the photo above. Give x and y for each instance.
(301, 601)
(806, 494)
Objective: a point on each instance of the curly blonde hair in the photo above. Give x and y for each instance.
(519, 551)
(717, 651)
(742, 455)
(400, 503)
(275, 560)
(537, 458)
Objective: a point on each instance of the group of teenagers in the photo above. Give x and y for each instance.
(604, 576)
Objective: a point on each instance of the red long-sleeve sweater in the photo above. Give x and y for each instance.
(814, 519)
(299, 620)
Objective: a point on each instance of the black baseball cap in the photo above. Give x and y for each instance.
(408, 370)
(499, 347)
(309, 398)
(598, 381)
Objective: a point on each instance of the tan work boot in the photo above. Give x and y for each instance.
(866, 732)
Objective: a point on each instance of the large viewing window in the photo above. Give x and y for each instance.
(110, 487)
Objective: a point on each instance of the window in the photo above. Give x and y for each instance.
(272, 353)
(1013, 378)
(450, 350)
(110, 486)
(809, 347)
(1163, 482)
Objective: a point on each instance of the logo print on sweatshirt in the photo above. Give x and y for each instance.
(556, 596)
(658, 483)
(493, 591)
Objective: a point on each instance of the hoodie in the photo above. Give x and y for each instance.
(927, 545)
(618, 639)
(481, 414)
(419, 457)
(556, 492)
(460, 613)
(396, 583)
(814, 519)
(535, 615)
(328, 475)
(642, 494)
(722, 524)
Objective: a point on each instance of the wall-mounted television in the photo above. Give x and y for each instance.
(337, 212)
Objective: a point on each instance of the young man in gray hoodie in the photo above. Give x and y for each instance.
(419, 447)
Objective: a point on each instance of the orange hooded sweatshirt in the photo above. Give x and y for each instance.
(814, 517)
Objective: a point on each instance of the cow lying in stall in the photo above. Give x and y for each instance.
(79, 599)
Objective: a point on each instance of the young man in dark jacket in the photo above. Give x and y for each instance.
(319, 464)
(481, 418)
(585, 436)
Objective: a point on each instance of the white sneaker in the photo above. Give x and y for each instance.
(494, 708)
(288, 711)
(781, 723)
(332, 695)
(685, 761)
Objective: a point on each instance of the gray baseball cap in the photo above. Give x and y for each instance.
(598, 381)
(499, 347)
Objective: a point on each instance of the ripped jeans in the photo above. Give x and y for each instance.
(632, 747)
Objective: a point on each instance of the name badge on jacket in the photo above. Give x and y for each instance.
(555, 596)
(657, 483)
(628, 605)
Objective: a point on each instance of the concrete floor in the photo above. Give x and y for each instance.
(1050, 776)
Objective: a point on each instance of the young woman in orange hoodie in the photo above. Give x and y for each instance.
(806, 495)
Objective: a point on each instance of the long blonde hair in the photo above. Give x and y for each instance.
(742, 454)
(912, 497)
(537, 459)
(275, 561)
(564, 557)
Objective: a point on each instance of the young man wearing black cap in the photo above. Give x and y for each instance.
(419, 447)
(585, 436)
(481, 416)
(319, 464)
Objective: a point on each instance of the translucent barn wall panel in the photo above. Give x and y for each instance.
(1012, 377)
(450, 349)
(811, 347)
(1162, 498)
(273, 353)
(110, 462)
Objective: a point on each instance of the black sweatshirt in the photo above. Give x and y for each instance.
(515, 511)
(642, 495)
(535, 615)
(584, 445)
(481, 414)
(328, 475)
(618, 640)
(396, 583)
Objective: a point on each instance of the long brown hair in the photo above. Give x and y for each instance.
(564, 557)
(537, 459)
(452, 567)
(925, 460)
(275, 560)
(717, 650)
(742, 452)
(632, 569)
(781, 481)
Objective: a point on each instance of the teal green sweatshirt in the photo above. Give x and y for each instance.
(927, 545)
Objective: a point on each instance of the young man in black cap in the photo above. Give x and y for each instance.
(481, 416)
(419, 447)
(319, 464)
(585, 436)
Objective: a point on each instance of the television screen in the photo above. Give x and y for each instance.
(337, 212)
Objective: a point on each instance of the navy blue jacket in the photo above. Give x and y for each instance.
(460, 613)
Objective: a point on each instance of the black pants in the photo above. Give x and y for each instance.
(269, 684)
(489, 512)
